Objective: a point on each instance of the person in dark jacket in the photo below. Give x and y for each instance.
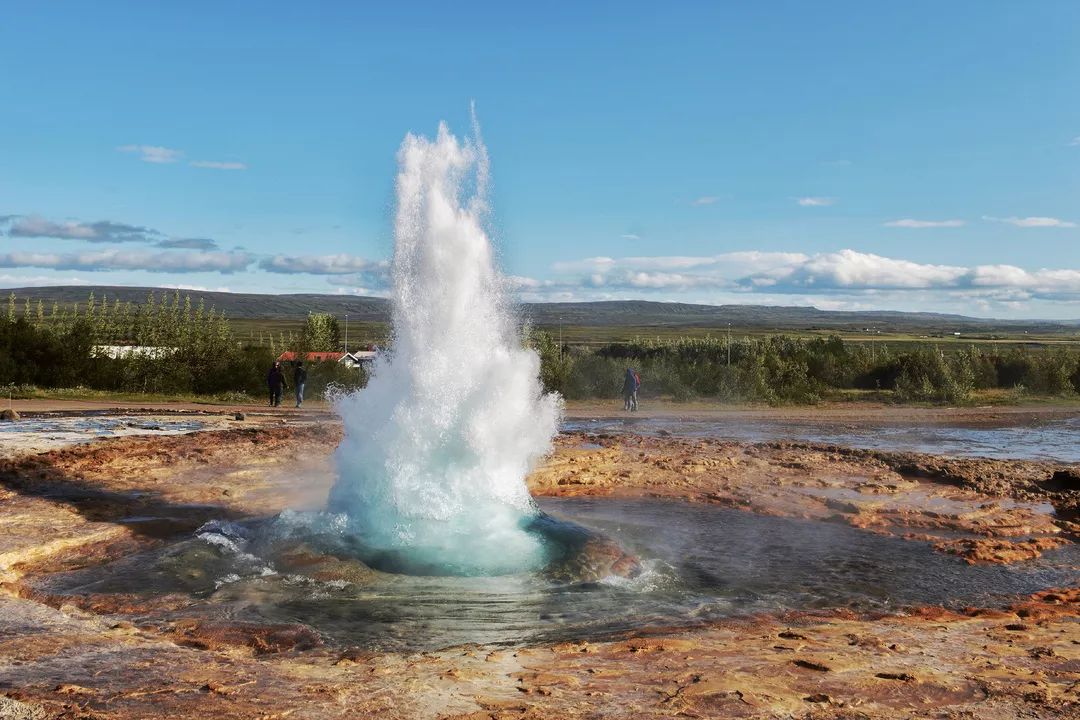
(299, 376)
(631, 383)
(276, 382)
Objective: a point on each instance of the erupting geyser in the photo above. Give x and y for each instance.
(432, 468)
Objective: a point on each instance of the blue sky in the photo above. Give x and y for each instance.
(914, 156)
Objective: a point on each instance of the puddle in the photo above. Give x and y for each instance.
(1050, 440)
(702, 563)
(927, 501)
(48, 433)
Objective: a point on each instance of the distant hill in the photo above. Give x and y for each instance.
(612, 313)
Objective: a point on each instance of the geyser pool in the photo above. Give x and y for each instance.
(437, 446)
(706, 563)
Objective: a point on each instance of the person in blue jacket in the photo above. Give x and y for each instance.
(299, 376)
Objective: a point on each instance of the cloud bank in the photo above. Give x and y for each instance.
(102, 231)
(159, 262)
(341, 264)
(846, 272)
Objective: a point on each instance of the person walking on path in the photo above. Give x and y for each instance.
(276, 382)
(631, 383)
(299, 377)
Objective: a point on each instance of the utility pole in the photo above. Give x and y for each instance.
(559, 338)
(346, 332)
(729, 344)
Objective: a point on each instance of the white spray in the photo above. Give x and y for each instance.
(437, 447)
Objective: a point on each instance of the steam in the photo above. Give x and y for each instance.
(437, 447)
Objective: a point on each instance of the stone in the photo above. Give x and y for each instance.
(902, 676)
(239, 416)
(812, 665)
(1064, 480)
(14, 710)
(9, 415)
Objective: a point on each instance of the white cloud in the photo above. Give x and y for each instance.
(341, 264)
(731, 264)
(153, 153)
(102, 231)
(168, 262)
(1032, 222)
(1075, 141)
(187, 244)
(10, 281)
(849, 268)
(705, 200)
(911, 223)
(674, 272)
(520, 282)
(196, 288)
(630, 236)
(35, 226)
(846, 276)
(219, 165)
(815, 201)
(361, 290)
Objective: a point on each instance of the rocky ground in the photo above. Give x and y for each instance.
(109, 656)
(984, 510)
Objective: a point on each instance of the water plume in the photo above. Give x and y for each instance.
(437, 446)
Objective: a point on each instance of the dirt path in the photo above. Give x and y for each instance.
(854, 412)
(32, 408)
(847, 413)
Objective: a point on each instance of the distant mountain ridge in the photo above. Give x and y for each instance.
(606, 313)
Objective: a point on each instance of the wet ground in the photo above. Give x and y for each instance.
(1034, 433)
(787, 578)
(1040, 439)
(47, 433)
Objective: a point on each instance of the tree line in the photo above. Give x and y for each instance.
(783, 369)
(167, 344)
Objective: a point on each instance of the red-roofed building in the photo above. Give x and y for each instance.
(290, 356)
(356, 359)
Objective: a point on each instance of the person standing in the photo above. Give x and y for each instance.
(631, 383)
(299, 378)
(276, 382)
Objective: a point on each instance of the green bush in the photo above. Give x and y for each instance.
(781, 369)
(191, 350)
(926, 375)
